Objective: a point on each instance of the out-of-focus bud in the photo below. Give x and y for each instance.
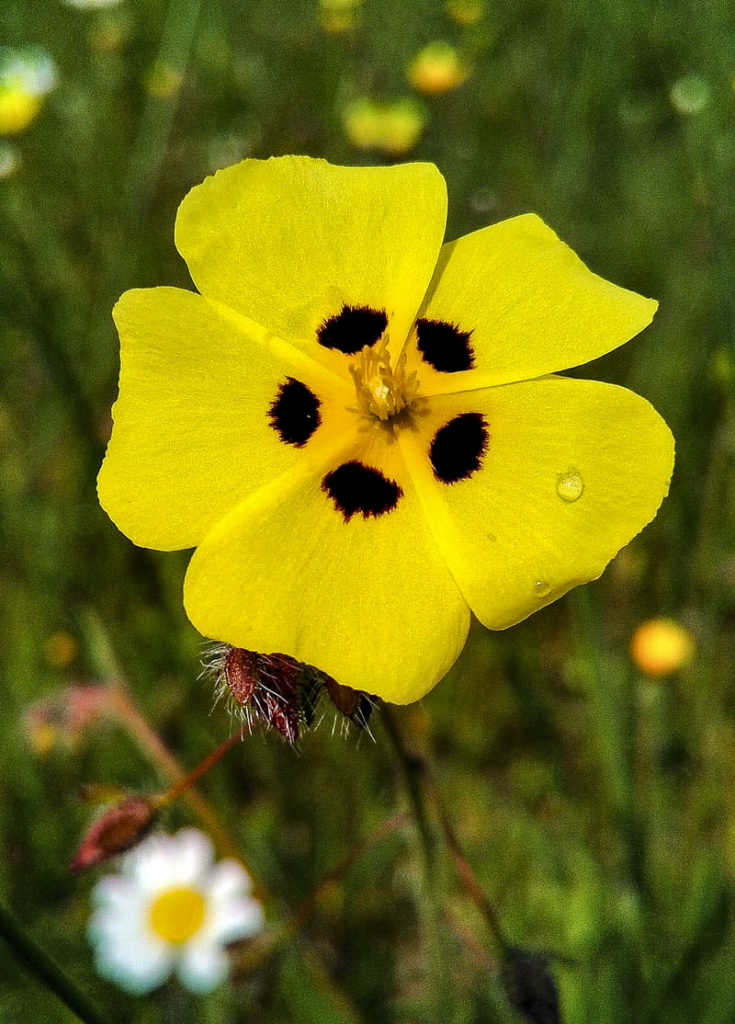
(117, 829)
(339, 16)
(661, 646)
(390, 127)
(465, 12)
(689, 95)
(63, 717)
(163, 81)
(438, 68)
(60, 649)
(531, 986)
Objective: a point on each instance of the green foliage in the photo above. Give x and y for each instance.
(595, 806)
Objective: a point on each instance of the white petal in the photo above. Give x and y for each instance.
(116, 892)
(109, 923)
(191, 857)
(238, 919)
(202, 967)
(227, 880)
(149, 863)
(137, 967)
(162, 860)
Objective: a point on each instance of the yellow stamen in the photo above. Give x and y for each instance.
(383, 391)
(177, 914)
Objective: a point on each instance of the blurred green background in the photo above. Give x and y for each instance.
(595, 804)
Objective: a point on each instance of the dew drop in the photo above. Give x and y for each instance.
(569, 485)
(542, 588)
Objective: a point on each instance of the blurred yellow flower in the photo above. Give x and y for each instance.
(61, 649)
(438, 68)
(661, 646)
(108, 34)
(17, 110)
(362, 431)
(465, 12)
(26, 76)
(390, 127)
(339, 15)
(163, 80)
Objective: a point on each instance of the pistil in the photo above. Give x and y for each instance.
(382, 390)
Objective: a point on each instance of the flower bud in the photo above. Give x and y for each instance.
(117, 829)
(282, 692)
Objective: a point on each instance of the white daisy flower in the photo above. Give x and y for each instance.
(171, 908)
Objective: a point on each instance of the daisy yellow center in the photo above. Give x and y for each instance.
(383, 390)
(177, 914)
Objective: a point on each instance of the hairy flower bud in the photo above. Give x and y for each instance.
(281, 692)
(117, 829)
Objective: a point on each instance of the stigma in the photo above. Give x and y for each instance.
(383, 391)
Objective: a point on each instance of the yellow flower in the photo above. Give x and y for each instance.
(465, 12)
(339, 15)
(17, 110)
(163, 81)
(436, 69)
(26, 76)
(393, 127)
(661, 646)
(361, 431)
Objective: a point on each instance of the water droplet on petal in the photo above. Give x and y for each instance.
(569, 485)
(542, 588)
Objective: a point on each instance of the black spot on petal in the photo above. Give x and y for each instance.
(458, 447)
(294, 414)
(354, 488)
(444, 346)
(352, 328)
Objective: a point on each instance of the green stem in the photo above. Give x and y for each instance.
(46, 970)
(614, 716)
(155, 126)
(464, 869)
(413, 769)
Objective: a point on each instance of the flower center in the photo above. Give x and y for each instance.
(383, 391)
(176, 914)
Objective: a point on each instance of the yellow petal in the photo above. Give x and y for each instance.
(368, 600)
(531, 305)
(290, 241)
(573, 470)
(192, 435)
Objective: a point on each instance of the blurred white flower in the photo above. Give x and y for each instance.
(91, 4)
(9, 160)
(26, 76)
(171, 909)
(689, 95)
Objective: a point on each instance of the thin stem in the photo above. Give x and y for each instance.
(148, 739)
(158, 115)
(196, 773)
(413, 769)
(466, 874)
(46, 970)
(256, 952)
(614, 716)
